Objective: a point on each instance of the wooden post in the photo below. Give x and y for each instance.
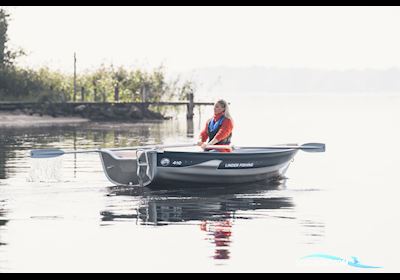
(74, 77)
(190, 106)
(82, 94)
(95, 94)
(144, 92)
(116, 93)
(94, 90)
(133, 95)
(189, 127)
(63, 96)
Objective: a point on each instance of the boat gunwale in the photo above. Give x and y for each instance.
(113, 154)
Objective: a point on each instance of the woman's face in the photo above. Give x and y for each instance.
(218, 108)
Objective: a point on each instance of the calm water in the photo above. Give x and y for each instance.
(63, 215)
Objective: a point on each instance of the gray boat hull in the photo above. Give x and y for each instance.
(159, 168)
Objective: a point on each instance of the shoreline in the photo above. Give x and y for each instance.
(18, 119)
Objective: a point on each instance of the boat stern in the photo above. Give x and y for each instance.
(136, 169)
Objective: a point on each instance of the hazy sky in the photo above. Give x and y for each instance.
(183, 38)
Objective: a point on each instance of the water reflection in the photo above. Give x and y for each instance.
(2, 163)
(214, 210)
(214, 213)
(189, 128)
(165, 206)
(219, 233)
(6, 149)
(16, 142)
(313, 230)
(3, 220)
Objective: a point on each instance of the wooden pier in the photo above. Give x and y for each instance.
(17, 105)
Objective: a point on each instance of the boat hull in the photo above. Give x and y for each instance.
(197, 168)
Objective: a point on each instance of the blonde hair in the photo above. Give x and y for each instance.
(225, 105)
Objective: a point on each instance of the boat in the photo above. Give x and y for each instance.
(162, 167)
(157, 166)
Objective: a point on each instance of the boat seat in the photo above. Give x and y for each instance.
(125, 154)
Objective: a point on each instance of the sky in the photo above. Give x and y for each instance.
(187, 38)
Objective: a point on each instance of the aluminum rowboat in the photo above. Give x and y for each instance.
(160, 167)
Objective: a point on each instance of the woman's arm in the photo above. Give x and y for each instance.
(203, 135)
(224, 131)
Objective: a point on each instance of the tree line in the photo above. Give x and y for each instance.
(107, 83)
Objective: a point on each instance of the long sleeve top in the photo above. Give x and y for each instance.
(224, 131)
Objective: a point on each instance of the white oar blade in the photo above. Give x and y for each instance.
(313, 147)
(46, 153)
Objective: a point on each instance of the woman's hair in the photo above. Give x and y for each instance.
(225, 105)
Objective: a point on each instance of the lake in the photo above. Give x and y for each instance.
(338, 211)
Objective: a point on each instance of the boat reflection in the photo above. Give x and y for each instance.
(165, 206)
(214, 210)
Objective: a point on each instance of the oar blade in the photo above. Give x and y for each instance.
(46, 153)
(313, 147)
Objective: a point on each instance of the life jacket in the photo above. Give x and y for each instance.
(212, 130)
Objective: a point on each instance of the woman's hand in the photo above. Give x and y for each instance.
(203, 146)
(199, 143)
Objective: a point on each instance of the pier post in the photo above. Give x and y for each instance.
(144, 91)
(94, 90)
(83, 94)
(74, 97)
(190, 106)
(189, 128)
(95, 94)
(116, 93)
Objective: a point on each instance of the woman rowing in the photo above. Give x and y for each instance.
(218, 129)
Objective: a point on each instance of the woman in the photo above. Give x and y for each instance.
(218, 129)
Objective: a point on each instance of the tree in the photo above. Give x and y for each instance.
(7, 57)
(3, 36)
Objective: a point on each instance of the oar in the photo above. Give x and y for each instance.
(49, 153)
(308, 147)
